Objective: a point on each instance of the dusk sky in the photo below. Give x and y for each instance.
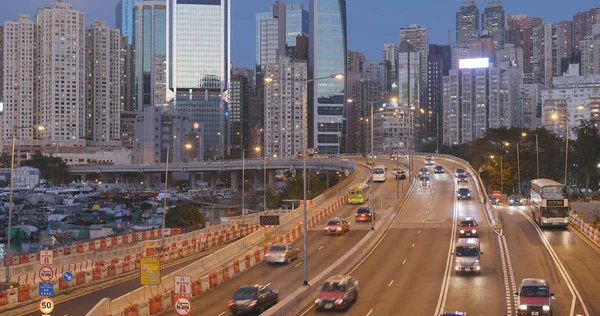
(370, 22)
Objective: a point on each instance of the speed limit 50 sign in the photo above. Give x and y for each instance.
(46, 305)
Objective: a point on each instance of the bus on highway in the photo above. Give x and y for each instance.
(549, 203)
(358, 193)
(379, 173)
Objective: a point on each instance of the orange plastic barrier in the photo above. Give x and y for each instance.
(125, 239)
(266, 248)
(23, 259)
(206, 244)
(137, 263)
(3, 298)
(111, 270)
(114, 260)
(196, 287)
(180, 252)
(212, 280)
(247, 261)
(96, 275)
(280, 239)
(150, 252)
(225, 273)
(92, 245)
(175, 231)
(67, 250)
(23, 292)
(131, 310)
(80, 278)
(294, 232)
(185, 243)
(79, 247)
(287, 237)
(102, 243)
(155, 305)
(125, 266)
(62, 284)
(144, 235)
(257, 256)
(114, 240)
(236, 266)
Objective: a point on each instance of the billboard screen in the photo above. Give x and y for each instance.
(473, 63)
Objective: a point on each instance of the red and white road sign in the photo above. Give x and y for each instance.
(46, 257)
(46, 305)
(183, 285)
(183, 306)
(46, 274)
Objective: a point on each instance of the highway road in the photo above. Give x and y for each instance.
(80, 304)
(322, 251)
(561, 256)
(406, 273)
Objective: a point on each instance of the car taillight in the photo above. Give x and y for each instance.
(253, 303)
(230, 303)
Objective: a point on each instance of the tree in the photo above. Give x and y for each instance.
(54, 169)
(5, 160)
(184, 215)
(586, 151)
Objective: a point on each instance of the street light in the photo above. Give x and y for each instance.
(537, 152)
(556, 117)
(39, 128)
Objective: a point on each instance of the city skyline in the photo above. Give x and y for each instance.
(383, 25)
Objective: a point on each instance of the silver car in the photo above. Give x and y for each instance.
(282, 253)
(467, 254)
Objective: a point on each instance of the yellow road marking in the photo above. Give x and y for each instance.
(585, 239)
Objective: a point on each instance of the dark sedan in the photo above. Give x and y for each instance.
(515, 200)
(463, 193)
(438, 169)
(253, 299)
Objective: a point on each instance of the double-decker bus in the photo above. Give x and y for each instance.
(379, 173)
(549, 203)
(358, 193)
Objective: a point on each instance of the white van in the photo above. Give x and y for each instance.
(467, 254)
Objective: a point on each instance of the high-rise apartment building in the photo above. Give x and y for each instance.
(390, 54)
(582, 24)
(379, 71)
(284, 104)
(353, 76)
(21, 68)
(531, 104)
(366, 94)
(511, 54)
(124, 18)
(128, 96)
(543, 54)
(493, 21)
(418, 37)
(328, 56)
(505, 96)
(103, 88)
(589, 46)
(520, 33)
(149, 41)
(562, 38)
(198, 60)
(467, 22)
(434, 97)
(239, 101)
(62, 74)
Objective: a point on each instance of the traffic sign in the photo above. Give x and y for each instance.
(46, 289)
(183, 306)
(46, 257)
(150, 271)
(68, 276)
(183, 285)
(46, 274)
(46, 305)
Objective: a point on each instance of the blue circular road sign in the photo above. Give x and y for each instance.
(68, 276)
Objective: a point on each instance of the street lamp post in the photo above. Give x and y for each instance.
(372, 168)
(304, 146)
(537, 153)
(162, 244)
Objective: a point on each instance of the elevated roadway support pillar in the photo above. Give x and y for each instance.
(235, 181)
(271, 179)
(257, 175)
(193, 179)
(147, 180)
(213, 180)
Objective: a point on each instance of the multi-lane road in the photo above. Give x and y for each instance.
(322, 252)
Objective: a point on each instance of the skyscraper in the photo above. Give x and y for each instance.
(493, 21)
(520, 33)
(409, 75)
(418, 37)
(22, 67)
(149, 41)
(239, 99)
(198, 59)
(434, 96)
(390, 54)
(103, 91)
(124, 17)
(62, 89)
(562, 45)
(467, 22)
(328, 56)
(582, 24)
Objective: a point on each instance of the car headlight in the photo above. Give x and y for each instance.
(473, 231)
(340, 301)
(546, 308)
(317, 301)
(523, 307)
(566, 220)
(462, 231)
(469, 194)
(339, 228)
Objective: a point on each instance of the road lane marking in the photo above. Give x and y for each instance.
(299, 263)
(413, 245)
(369, 313)
(392, 281)
(321, 247)
(584, 238)
(511, 273)
(506, 278)
(561, 268)
(419, 232)
(223, 313)
(448, 271)
(403, 262)
(267, 285)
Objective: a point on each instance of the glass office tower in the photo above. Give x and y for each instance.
(328, 56)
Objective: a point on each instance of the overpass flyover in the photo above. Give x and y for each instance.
(145, 172)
